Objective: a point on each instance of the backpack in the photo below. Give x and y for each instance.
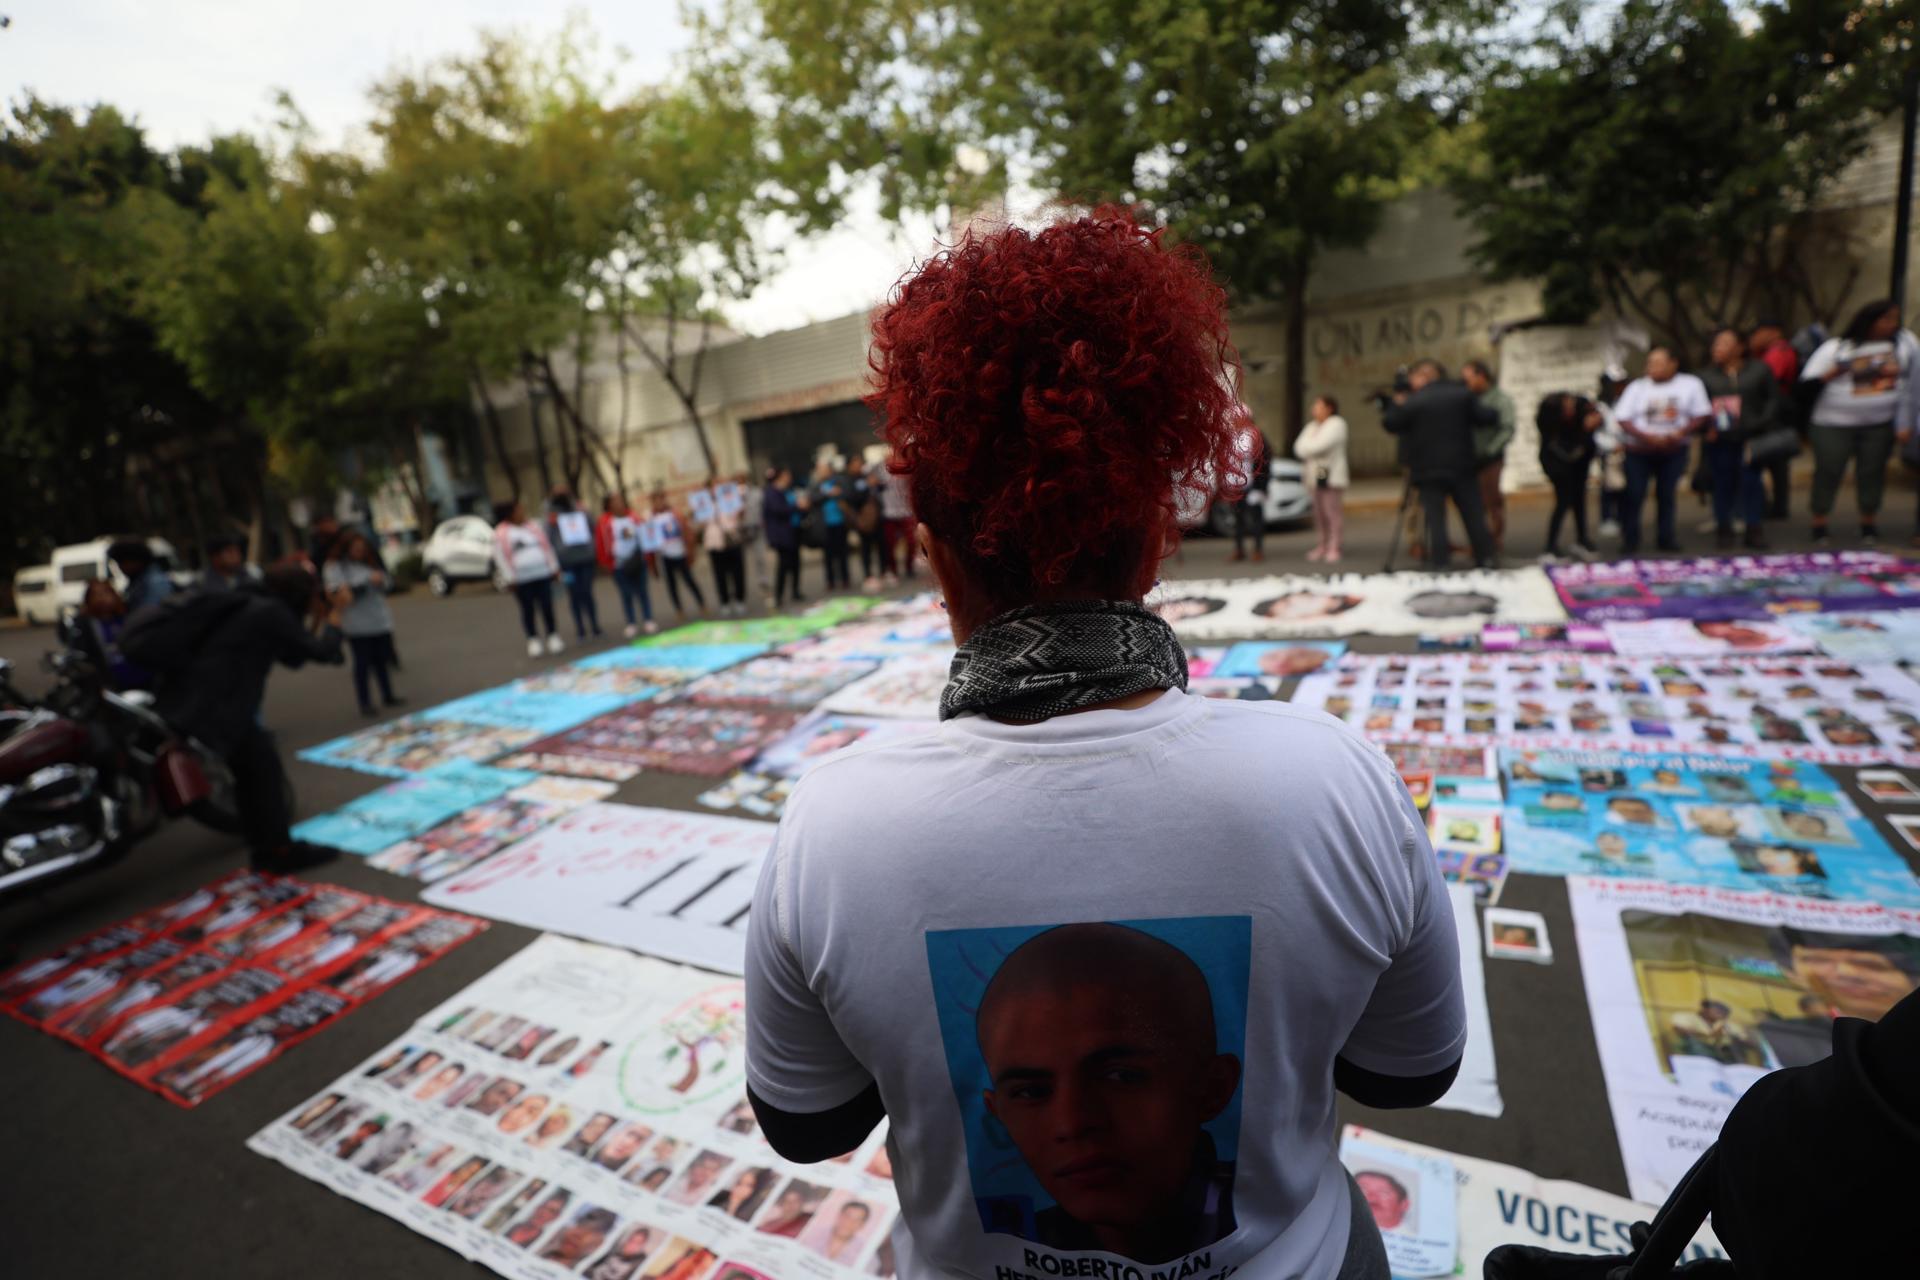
(162, 639)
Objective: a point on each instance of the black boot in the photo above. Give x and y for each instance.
(295, 855)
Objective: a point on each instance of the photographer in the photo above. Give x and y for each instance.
(1436, 420)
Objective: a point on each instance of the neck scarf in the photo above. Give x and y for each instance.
(1042, 660)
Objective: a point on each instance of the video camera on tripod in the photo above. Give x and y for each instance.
(1383, 397)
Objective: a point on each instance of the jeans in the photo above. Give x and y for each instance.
(1868, 448)
(836, 552)
(1569, 498)
(869, 549)
(1249, 521)
(633, 586)
(675, 570)
(372, 655)
(788, 572)
(260, 791)
(1779, 484)
(586, 614)
(1664, 471)
(538, 593)
(1737, 487)
(1465, 492)
(729, 574)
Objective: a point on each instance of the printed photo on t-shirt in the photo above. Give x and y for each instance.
(1098, 1072)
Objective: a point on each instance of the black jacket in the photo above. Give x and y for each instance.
(1762, 406)
(217, 697)
(1435, 427)
(1566, 446)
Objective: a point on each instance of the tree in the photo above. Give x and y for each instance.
(1669, 165)
(1264, 131)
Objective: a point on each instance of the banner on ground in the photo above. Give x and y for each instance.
(1806, 708)
(482, 831)
(1891, 635)
(764, 632)
(1539, 637)
(415, 743)
(1737, 586)
(763, 788)
(668, 883)
(1476, 1089)
(406, 808)
(1496, 1204)
(904, 688)
(582, 1111)
(1344, 604)
(777, 682)
(537, 710)
(189, 997)
(673, 736)
(1697, 992)
(1704, 638)
(1777, 826)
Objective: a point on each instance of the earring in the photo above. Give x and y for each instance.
(943, 605)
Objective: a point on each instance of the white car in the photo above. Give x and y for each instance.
(1285, 500)
(34, 596)
(460, 550)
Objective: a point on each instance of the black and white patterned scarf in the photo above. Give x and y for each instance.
(1045, 659)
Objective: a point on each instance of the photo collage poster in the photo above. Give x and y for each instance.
(675, 737)
(1807, 708)
(582, 1111)
(1458, 791)
(1345, 604)
(763, 787)
(1737, 586)
(1696, 992)
(477, 833)
(1776, 826)
(402, 809)
(191, 996)
(664, 881)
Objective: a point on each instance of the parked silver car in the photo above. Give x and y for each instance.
(1285, 500)
(460, 550)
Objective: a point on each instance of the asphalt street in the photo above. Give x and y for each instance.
(102, 1178)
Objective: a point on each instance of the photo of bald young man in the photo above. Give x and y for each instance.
(1105, 1058)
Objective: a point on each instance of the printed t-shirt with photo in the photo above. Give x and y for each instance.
(1869, 391)
(1100, 971)
(1663, 408)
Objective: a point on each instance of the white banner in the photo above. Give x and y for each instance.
(671, 884)
(580, 1111)
(1477, 1088)
(1697, 992)
(1344, 604)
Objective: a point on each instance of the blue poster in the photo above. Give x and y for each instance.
(1721, 821)
(512, 706)
(404, 809)
(1282, 658)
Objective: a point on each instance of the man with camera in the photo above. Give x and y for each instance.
(1435, 420)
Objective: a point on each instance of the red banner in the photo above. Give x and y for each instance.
(189, 997)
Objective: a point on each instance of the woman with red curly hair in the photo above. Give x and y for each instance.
(1099, 951)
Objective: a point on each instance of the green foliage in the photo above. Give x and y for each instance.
(1665, 164)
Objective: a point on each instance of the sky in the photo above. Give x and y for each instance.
(186, 69)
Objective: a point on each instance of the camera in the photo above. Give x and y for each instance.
(1383, 397)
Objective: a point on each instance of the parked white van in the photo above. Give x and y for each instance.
(34, 598)
(74, 566)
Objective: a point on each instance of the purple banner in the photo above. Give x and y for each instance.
(1737, 586)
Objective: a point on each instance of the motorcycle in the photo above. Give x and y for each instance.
(86, 771)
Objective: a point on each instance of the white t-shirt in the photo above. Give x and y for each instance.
(1878, 375)
(1663, 408)
(669, 535)
(1251, 893)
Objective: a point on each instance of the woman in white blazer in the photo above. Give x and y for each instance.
(1322, 446)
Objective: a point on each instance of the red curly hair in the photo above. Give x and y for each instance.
(1045, 393)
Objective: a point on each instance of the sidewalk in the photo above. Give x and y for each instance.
(1380, 495)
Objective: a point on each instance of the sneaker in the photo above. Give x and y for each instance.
(1818, 535)
(1259, 556)
(1585, 552)
(652, 627)
(1756, 539)
(1609, 528)
(1237, 556)
(555, 644)
(396, 701)
(632, 631)
(1869, 535)
(368, 710)
(1551, 557)
(533, 648)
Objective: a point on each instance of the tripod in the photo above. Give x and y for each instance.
(1407, 501)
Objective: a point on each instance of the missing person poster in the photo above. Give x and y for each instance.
(1697, 992)
(662, 881)
(582, 1111)
(189, 997)
(1411, 1197)
(1737, 586)
(1773, 826)
(1496, 1204)
(406, 808)
(1344, 604)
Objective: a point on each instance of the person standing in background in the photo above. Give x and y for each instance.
(571, 535)
(830, 496)
(1658, 413)
(147, 582)
(863, 506)
(1768, 344)
(1568, 424)
(753, 555)
(1746, 404)
(1866, 380)
(896, 526)
(1437, 420)
(1611, 443)
(671, 533)
(526, 562)
(367, 621)
(226, 563)
(1322, 446)
(780, 516)
(1250, 513)
(616, 545)
(720, 539)
(1490, 444)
